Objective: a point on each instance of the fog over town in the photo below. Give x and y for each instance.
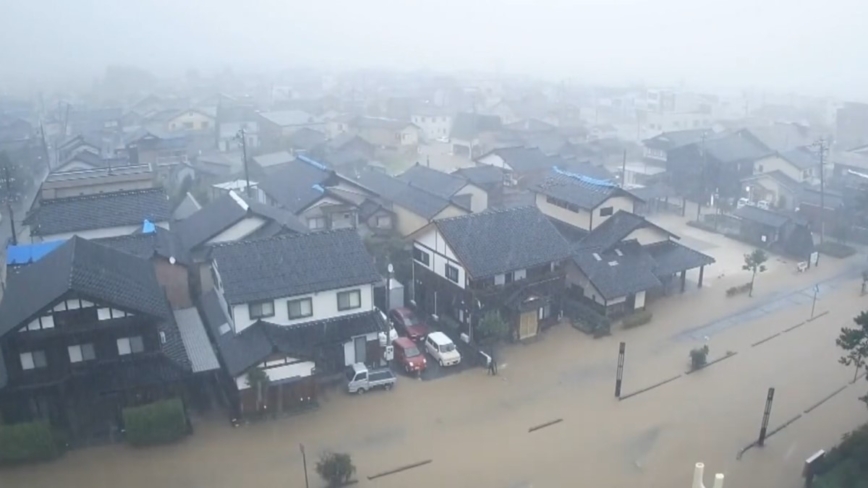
(474, 243)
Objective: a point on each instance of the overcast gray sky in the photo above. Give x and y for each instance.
(810, 46)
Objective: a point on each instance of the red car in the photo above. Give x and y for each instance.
(407, 353)
(408, 324)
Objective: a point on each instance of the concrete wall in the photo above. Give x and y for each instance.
(324, 305)
(479, 201)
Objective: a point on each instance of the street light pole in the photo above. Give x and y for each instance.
(242, 136)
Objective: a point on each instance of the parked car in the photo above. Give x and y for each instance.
(408, 324)
(441, 348)
(408, 355)
(360, 379)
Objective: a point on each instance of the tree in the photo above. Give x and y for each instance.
(855, 342)
(493, 326)
(335, 468)
(755, 263)
(256, 378)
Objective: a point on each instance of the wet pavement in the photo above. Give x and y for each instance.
(475, 428)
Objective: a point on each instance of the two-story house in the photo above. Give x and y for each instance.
(433, 123)
(449, 186)
(579, 201)
(98, 215)
(780, 177)
(275, 126)
(191, 120)
(508, 261)
(230, 121)
(626, 262)
(294, 307)
(86, 331)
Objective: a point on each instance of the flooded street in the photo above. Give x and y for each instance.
(475, 428)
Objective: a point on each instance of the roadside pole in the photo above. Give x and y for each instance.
(304, 464)
(814, 302)
(620, 375)
(766, 414)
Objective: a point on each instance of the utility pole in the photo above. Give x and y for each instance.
(703, 175)
(242, 136)
(624, 170)
(822, 150)
(766, 414)
(9, 201)
(620, 375)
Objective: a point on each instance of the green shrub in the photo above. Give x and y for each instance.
(637, 319)
(156, 423)
(738, 290)
(335, 468)
(27, 442)
(836, 249)
(586, 318)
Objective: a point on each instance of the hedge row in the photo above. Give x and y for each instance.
(156, 423)
(637, 319)
(737, 290)
(27, 442)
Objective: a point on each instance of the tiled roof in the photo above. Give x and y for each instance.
(239, 352)
(273, 159)
(525, 160)
(98, 272)
(225, 212)
(482, 176)
(761, 216)
(616, 274)
(496, 242)
(801, 158)
(586, 193)
(671, 140)
(733, 148)
(671, 257)
(162, 242)
(296, 185)
(616, 228)
(421, 203)
(195, 340)
(99, 211)
(292, 265)
(186, 208)
(438, 183)
(285, 118)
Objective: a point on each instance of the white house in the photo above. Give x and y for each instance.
(314, 291)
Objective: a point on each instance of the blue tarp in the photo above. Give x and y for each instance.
(585, 179)
(313, 163)
(29, 253)
(148, 227)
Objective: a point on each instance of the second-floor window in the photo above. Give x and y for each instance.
(421, 256)
(301, 308)
(452, 273)
(130, 345)
(81, 352)
(259, 310)
(33, 360)
(606, 211)
(348, 300)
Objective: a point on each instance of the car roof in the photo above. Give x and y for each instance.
(439, 338)
(402, 311)
(404, 342)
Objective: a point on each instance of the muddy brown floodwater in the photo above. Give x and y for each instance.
(474, 427)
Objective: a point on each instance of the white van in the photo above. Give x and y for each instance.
(441, 348)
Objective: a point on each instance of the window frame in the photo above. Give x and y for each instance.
(289, 304)
(449, 268)
(427, 261)
(609, 211)
(260, 315)
(348, 293)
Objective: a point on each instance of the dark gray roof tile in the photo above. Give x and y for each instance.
(292, 265)
(99, 211)
(616, 228)
(444, 185)
(421, 203)
(496, 242)
(626, 269)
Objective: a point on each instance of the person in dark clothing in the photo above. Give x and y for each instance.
(492, 365)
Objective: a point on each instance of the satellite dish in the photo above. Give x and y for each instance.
(171, 259)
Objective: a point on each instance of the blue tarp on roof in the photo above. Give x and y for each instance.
(148, 227)
(312, 162)
(29, 253)
(584, 179)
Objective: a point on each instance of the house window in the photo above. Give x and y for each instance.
(33, 360)
(421, 256)
(384, 222)
(188, 125)
(606, 211)
(508, 277)
(130, 345)
(316, 223)
(348, 300)
(81, 352)
(300, 308)
(452, 273)
(205, 124)
(259, 310)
